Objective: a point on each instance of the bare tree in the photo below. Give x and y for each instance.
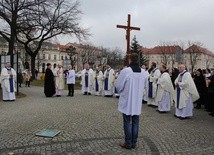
(175, 53)
(10, 13)
(88, 54)
(194, 50)
(164, 50)
(47, 20)
(115, 57)
(71, 51)
(208, 61)
(170, 53)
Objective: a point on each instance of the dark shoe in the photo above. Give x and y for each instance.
(183, 118)
(85, 93)
(198, 107)
(149, 105)
(117, 96)
(177, 116)
(125, 146)
(161, 112)
(134, 146)
(89, 93)
(208, 110)
(144, 102)
(154, 106)
(6, 100)
(58, 95)
(212, 113)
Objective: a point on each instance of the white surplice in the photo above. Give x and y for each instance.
(165, 90)
(188, 95)
(59, 80)
(109, 75)
(153, 77)
(89, 74)
(7, 93)
(130, 85)
(98, 82)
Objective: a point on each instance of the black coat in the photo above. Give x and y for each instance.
(49, 86)
(20, 78)
(200, 84)
(210, 98)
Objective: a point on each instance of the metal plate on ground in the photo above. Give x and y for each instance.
(48, 133)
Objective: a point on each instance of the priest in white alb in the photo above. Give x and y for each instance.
(152, 85)
(98, 81)
(8, 77)
(87, 76)
(165, 90)
(109, 78)
(185, 94)
(59, 79)
(130, 85)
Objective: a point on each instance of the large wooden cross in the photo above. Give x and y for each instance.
(128, 28)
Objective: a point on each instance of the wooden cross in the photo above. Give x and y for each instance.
(128, 28)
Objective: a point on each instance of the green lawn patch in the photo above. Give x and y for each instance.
(21, 95)
(40, 83)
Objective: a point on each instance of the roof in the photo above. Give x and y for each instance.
(80, 46)
(174, 49)
(161, 50)
(198, 49)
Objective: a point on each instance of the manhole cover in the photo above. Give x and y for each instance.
(48, 133)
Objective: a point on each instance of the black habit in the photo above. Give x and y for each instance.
(49, 86)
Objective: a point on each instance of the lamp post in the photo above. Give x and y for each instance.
(17, 68)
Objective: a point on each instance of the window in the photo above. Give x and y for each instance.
(66, 58)
(54, 57)
(49, 57)
(62, 58)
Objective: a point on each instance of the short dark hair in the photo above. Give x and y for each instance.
(154, 64)
(134, 57)
(48, 64)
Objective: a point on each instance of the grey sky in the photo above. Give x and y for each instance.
(159, 20)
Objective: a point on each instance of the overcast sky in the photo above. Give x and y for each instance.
(159, 20)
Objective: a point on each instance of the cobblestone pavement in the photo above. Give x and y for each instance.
(92, 125)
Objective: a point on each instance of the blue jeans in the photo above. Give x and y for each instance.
(131, 126)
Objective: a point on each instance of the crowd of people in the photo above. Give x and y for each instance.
(162, 91)
(204, 81)
(133, 85)
(24, 77)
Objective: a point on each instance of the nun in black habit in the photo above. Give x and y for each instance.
(49, 86)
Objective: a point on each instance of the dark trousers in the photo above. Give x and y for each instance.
(131, 126)
(27, 83)
(70, 89)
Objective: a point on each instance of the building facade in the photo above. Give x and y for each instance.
(193, 57)
(71, 53)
